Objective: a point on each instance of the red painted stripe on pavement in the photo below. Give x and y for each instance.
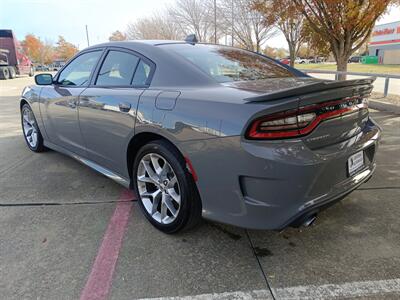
(99, 281)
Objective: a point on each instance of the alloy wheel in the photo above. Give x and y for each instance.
(29, 126)
(158, 188)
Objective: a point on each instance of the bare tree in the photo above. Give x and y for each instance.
(159, 26)
(195, 16)
(250, 29)
(201, 17)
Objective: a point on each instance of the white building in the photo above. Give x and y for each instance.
(385, 43)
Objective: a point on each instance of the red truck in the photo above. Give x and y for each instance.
(12, 61)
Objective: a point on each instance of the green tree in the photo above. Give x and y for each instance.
(117, 36)
(31, 46)
(47, 53)
(275, 52)
(65, 50)
(284, 14)
(344, 24)
(317, 45)
(37, 50)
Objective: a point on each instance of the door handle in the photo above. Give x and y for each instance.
(124, 106)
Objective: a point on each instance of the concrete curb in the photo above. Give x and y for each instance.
(379, 105)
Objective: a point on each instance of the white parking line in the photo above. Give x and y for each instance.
(309, 292)
(344, 290)
(258, 295)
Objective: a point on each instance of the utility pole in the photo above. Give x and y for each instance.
(215, 21)
(87, 35)
(41, 51)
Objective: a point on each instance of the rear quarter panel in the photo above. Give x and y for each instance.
(207, 126)
(203, 113)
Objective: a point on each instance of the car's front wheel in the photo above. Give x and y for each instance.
(166, 190)
(31, 131)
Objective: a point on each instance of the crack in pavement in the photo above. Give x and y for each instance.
(259, 264)
(18, 163)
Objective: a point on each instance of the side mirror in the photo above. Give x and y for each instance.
(44, 79)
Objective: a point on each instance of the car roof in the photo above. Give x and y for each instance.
(173, 70)
(128, 43)
(158, 42)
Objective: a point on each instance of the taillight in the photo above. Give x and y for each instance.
(303, 120)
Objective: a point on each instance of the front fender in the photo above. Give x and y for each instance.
(31, 95)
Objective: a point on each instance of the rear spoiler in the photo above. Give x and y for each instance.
(314, 87)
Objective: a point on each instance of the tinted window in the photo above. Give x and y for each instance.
(6, 33)
(142, 74)
(77, 73)
(117, 69)
(229, 64)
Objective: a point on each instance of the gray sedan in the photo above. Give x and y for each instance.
(199, 130)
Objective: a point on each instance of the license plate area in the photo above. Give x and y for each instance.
(355, 163)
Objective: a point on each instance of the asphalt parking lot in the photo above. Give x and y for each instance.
(67, 232)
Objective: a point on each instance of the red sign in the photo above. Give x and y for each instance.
(386, 34)
(385, 31)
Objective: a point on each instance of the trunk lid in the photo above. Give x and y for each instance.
(278, 88)
(346, 125)
(340, 106)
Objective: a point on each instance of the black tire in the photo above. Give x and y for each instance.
(4, 73)
(189, 214)
(39, 147)
(12, 72)
(31, 72)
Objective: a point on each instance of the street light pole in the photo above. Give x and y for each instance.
(87, 35)
(215, 21)
(232, 24)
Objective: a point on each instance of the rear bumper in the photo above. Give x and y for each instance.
(268, 185)
(313, 207)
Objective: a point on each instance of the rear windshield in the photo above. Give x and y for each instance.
(227, 64)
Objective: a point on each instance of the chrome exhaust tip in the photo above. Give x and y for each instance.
(304, 220)
(309, 221)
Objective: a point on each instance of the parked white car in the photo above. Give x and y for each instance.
(300, 60)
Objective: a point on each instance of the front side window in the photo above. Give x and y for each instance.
(77, 73)
(117, 69)
(227, 64)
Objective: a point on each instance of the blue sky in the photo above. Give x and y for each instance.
(50, 18)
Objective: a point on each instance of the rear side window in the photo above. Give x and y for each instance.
(77, 72)
(142, 74)
(227, 64)
(117, 69)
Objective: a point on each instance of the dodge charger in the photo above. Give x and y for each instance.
(206, 131)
